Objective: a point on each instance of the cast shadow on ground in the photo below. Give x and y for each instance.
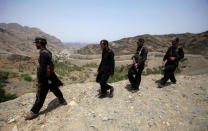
(128, 87)
(99, 92)
(51, 106)
(166, 84)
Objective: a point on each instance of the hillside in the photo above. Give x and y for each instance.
(183, 106)
(75, 45)
(17, 39)
(192, 43)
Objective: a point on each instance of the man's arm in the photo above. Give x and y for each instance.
(42, 69)
(99, 66)
(180, 54)
(144, 56)
(166, 56)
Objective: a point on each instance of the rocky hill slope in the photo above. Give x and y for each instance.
(192, 43)
(17, 39)
(181, 106)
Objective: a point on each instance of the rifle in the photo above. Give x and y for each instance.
(134, 62)
(137, 57)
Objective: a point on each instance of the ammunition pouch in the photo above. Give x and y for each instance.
(137, 58)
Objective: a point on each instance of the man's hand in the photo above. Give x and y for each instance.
(163, 62)
(172, 58)
(38, 86)
(111, 75)
(136, 65)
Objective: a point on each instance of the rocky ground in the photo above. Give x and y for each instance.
(182, 106)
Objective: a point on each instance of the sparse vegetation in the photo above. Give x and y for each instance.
(27, 77)
(64, 68)
(21, 69)
(13, 75)
(92, 65)
(183, 60)
(159, 69)
(120, 73)
(3, 95)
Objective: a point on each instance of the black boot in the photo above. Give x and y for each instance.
(62, 101)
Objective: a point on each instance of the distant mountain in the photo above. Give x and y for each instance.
(192, 43)
(17, 39)
(75, 45)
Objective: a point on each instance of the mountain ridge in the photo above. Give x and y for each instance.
(18, 39)
(192, 44)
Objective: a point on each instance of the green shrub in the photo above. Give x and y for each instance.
(6, 96)
(144, 73)
(154, 70)
(10, 96)
(3, 95)
(13, 75)
(63, 69)
(183, 60)
(120, 73)
(3, 76)
(27, 77)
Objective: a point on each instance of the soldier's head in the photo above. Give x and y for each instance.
(40, 42)
(103, 44)
(140, 42)
(175, 41)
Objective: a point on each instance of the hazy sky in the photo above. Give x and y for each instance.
(93, 20)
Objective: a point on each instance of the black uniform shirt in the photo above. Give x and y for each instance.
(174, 52)
(107, 63)
(44, 60)
(143, 54)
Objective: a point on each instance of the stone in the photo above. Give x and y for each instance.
(139, 121)
(73, 103)
(15, 128)
(105, 118)
(13, 119)
(40, 122)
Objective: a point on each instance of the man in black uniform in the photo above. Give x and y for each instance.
(46, 79)
(106, 69)
(173, 55)
(135, 71)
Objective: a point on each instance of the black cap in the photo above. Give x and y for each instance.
(41, 40)
(175, 39)
(141, 40)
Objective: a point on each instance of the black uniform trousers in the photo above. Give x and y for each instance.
(42, 93)
(135, 80)
(169, 73)
(102, 78)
